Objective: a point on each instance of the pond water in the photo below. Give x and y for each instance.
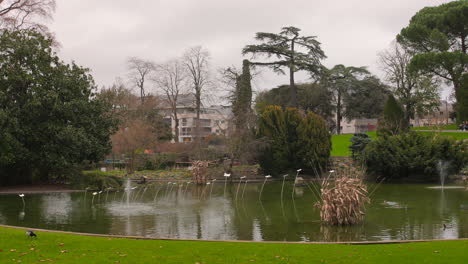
(396, 212)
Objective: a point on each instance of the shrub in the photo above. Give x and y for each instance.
(292, 140)
(410, 155)
(96, 180)
(358, 143)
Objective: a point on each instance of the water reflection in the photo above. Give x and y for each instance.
(166, 210)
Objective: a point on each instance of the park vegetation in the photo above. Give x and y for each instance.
(47, 104)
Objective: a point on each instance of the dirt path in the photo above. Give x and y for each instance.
(36, 189)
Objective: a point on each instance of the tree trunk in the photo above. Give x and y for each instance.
(338, 113)
(292, 85)
(176, 127)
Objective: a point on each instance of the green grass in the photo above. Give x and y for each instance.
(341, 143)
(15, 247)
(441, 127)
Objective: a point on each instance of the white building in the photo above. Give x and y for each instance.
(360, 125)
(439, 117)
(214, 120)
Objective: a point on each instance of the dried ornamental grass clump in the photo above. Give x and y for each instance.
(343, 197)
(199, 169)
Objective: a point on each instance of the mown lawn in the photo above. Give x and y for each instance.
(441, 127)
(341, 143)
(15, 247)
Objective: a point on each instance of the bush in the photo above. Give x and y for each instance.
(292, 141)
(96, 180)
(411, 155)
(358, 143)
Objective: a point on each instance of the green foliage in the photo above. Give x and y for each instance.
(160, 161)
(96, 180)
(356, 93)
(393, 119)
(358, 143)
(311, 97)
(286, 47)
(314, 142)
(293, 141)
(413, 155)
(438, 36)
(50, 119)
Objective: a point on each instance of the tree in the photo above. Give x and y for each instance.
(196, 60)
(50, 118)
(313, 97)
(286, 47)
(417, 93)
(241, 140)
(140, 71)
(393, 120)
(365, 99)
(171, 78)
(140, 125)
(341, 79)
(25, 14)
(438, 38)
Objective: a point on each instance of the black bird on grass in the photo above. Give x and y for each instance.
(30, 233)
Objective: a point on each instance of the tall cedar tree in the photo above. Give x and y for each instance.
(438, 36)
(286, 46)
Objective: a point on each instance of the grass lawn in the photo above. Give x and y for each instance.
(341, 143)
(441, 127)
(15, 247)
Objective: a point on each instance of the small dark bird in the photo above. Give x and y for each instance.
(445, 227)
(30, 233)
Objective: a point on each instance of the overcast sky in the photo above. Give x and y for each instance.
(102, 34)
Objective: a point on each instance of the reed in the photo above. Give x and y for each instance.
(343, 197)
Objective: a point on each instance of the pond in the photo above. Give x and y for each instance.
(397, 212)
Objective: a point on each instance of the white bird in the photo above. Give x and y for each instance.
(286, 175)
(99, 192)
(21, 195)
(214, 180)
(208, 183)
(133, 188)
(299, 170)
(332, 171)
(94, 193)
(243, 177)
(268, 176)
(227, 175)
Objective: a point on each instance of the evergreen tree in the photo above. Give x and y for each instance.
(393, 119)
(438, 38)
(50, 118)
(286, 47)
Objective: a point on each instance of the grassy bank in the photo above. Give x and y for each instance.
(15, 247)
(341, 143)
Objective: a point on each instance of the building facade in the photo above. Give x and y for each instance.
(214, 120)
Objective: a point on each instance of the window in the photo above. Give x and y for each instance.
(205, 122)
(184, 121)
(186, 131)
(167, 121)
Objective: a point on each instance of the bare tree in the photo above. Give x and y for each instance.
(196, 61)
(171, 78)
(26, 14)
(139, 72)
(417, 93)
